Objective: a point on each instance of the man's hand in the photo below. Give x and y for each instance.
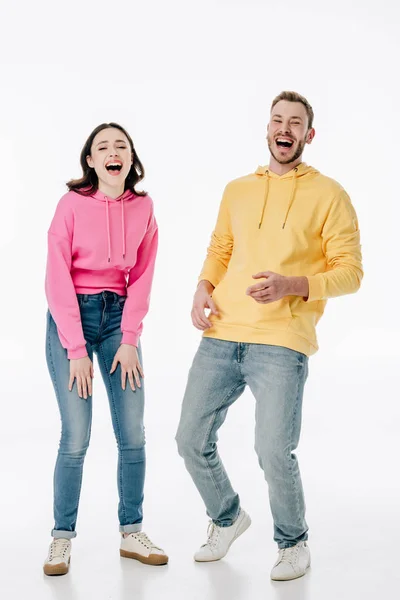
(127, 357)
(275, 286)
(202, 300)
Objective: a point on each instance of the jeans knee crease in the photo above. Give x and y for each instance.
(206, 438)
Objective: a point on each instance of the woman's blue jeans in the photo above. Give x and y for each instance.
(101, 319)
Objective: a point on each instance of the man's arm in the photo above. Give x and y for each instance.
(298, 286)
(214, 268)
(219, 251)
(341, 246)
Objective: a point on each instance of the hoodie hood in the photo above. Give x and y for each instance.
(126, 196)
(302, 170)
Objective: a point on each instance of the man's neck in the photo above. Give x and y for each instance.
(282, 169)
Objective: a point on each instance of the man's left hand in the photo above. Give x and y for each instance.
(275, 286)
(272, 288)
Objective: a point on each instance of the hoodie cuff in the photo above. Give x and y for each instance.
(316, 288)
(130, 338)
(77, 353)
(213, 278)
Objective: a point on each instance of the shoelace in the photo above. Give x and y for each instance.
(58, 548)
(289, 555)
(145, 540)
(212, 535)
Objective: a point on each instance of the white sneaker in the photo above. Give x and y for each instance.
(220, 539)
(140, 547)
(292, 562)
(57, 562)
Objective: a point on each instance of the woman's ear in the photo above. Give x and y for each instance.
(90, 161)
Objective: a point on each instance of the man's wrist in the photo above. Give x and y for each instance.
(298, 286)
(207, 285)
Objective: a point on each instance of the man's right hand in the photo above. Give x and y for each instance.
(202, 300)
(81, 369)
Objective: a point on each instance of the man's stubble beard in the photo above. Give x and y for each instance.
(297, 154)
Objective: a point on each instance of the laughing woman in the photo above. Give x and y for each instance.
(102, 245)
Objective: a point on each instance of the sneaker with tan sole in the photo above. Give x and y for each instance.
(139, 547)
(59, 557)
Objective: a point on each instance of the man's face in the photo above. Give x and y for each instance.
(288, 131)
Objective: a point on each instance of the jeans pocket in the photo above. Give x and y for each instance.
(121, 302)
(82, 299)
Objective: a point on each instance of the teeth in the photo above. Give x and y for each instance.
(114, 165)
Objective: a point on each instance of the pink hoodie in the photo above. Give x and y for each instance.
(96, 243)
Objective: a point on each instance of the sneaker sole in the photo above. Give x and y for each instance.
(290, 578)
(61, 569)
(153, 559)
(243, 526)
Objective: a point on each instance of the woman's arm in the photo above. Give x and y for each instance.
(139, 286)
(60, 291)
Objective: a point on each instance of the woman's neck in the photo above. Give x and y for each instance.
(110, 190)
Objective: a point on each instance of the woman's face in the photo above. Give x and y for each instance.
(111, 157)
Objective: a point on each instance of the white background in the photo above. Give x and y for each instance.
(193, 82)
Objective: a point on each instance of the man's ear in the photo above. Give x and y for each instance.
(310, 135)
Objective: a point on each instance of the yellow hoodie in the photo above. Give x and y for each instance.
(298, 224)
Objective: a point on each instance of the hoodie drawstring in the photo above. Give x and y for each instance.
(108, 231)
(265, 198)
(292, 195)
(294, 181)
(122, 229)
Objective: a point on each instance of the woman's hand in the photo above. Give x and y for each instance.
(81, 369)
(128, 358)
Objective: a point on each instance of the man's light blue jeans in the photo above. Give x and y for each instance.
(218, 376)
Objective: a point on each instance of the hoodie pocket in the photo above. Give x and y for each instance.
(235, 307)
(278, 311)
(305, 317)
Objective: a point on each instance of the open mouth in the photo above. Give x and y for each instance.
(114, 167)
(284, 143)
